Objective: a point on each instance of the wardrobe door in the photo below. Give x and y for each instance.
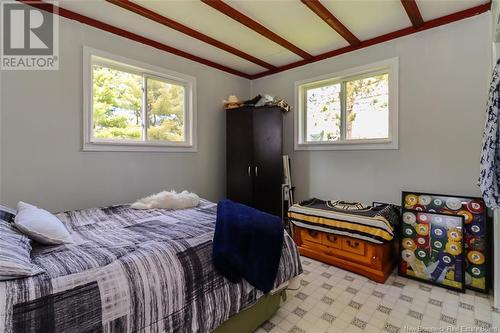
(239, 154)
(267, 151)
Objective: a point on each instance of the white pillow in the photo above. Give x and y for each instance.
(40, 225)
(15, 254)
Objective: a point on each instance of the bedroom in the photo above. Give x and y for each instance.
(107, 102)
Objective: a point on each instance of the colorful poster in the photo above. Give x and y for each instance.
(432, 248)
(475, 230)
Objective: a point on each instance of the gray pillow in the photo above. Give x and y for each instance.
(15, 251)
(7, 214)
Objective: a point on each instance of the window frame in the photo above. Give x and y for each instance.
(389, 66)
(93, 56)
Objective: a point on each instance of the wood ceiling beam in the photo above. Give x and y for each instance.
(48, 7)
(384, 38)
(331, 20)
(413, 13)
(149, 14)
(229, 11)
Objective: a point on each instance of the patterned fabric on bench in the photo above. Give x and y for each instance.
(373, 224)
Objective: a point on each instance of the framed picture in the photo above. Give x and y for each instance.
(476, 240)
(432, 248)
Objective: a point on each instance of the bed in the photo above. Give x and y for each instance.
(137, 271)
(348, 235)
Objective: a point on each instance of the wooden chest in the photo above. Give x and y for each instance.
(375, 261)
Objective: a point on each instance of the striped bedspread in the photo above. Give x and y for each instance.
(131, 271)
(373, 224)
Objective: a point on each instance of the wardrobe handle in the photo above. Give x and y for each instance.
(249, 171)
(256, 171)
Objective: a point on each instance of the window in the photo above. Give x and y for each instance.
(354, 109)
(131, 106)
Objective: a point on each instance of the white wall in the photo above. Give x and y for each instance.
(495, 17)
(41, 133)
(443, 84)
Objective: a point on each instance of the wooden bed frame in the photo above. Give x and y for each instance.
(375, 261)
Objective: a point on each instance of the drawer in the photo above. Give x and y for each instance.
(308, 235)
(332, 241)
(353, 246)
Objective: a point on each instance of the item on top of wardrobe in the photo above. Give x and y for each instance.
(232, 102)
(476, 234)
(353, 219)
(273, 101)
(281, 103)
(265, 100)
(252, 102)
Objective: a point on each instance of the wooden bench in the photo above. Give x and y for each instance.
(375, 261)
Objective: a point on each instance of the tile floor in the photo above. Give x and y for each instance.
(334, 300)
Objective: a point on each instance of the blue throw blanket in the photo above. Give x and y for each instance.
(247, 244)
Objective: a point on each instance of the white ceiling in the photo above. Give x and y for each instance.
(209, 21)
(293, 21)
(368, 19)
(289, 19)
(432, 9)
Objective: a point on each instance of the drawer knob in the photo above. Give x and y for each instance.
(313, 233)
(332, 238)
(352, 244)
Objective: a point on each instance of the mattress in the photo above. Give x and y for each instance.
(373, 224)
(131, 271)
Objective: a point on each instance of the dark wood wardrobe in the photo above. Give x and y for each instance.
(254, 139)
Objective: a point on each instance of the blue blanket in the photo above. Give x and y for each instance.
(247, 244)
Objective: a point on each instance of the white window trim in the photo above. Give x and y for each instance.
(189, 82)
(391, 66)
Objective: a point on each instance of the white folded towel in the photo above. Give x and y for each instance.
(168, 200)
